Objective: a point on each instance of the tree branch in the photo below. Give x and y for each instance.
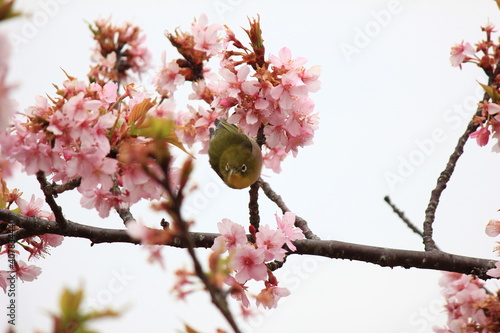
(71, 184)
(444, 177)
(253, 205)
(49, 198)
(387, 257)
(403, 217)
(125, 214)
(276, 198)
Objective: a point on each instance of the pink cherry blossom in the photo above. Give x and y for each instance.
(248, 262)
(206, 37)
(237, 290)
(270, 296)
(107, 94)
(494, 272)
(102, 200)
(27, 272)
(492, 108)
(493, 228)
(272, 242)
(31, 208)
(286, 225)
(4, 276)
(190, 133)
(274, 157)
(156, 255)
(51, 240)
(232, 234)
(459, 53)
(289, 90)
(168, 78)
(284, 60)
(311, 78)
(482, 136)
(136, 184)
(464, 295)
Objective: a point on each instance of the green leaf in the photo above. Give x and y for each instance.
(492, 92)
(70, 302)
(160, 129)
(72, 314)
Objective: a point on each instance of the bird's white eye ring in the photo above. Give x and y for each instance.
(244, 168)
(227, 167)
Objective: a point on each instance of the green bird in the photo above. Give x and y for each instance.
(234, 156)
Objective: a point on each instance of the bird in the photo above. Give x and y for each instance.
(234, 156)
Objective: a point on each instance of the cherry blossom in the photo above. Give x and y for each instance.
(270, 296)
(284, 60)
(271, 241)
(206, 37)
(31, 208)
(460, 52)
(4, 280)
(465, 298)
(232, 234)
(494, 272)
(493, 228)
(168, 78)
(286, 225)
(27, 272)
(482, 136)
(248, 262)
(237, 291)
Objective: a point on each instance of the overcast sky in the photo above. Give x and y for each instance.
(391, 109)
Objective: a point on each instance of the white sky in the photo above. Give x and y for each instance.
(378, 108)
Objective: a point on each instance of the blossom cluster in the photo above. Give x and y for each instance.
(248, 90)
(247, 260)
(83, 131)
(485, 55)
(36, 246)
(79, 135)
(469, 306)
(100, 140)
(119, 52)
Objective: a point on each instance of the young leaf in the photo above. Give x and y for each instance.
(492, 92)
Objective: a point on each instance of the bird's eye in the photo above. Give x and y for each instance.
(244, 168)
(227, 167)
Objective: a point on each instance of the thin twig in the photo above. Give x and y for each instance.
(71, 184)
(276, 198)
(403, 217)
(176, 197)
(442, 181)
(49, 198)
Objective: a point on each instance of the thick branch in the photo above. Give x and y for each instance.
(386, 257)
(435, 260)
